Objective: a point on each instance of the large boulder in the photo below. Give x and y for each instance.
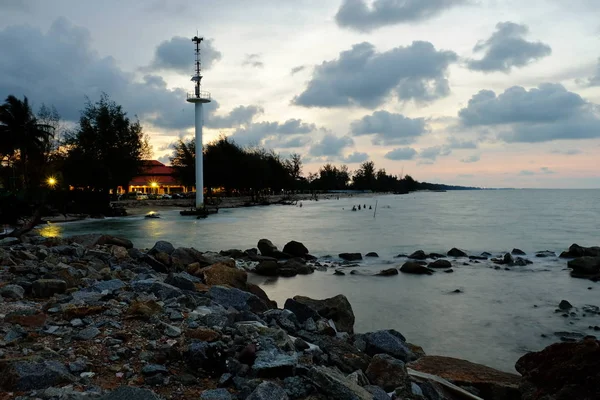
(337, 308)
(336, 386)
(454, 252)
(585, 266)
(162, 246)
(341, 354)
(445, 264)
(297, 265)
(301, 310)
(266, 247)
(579, 251)
(181, 257)
(389, 373)
(295, 249)
(389, 342)
(410, 267)
(491, 384)
(562, 371)
(267, 268)
(236, 298)
(418, 255)
(350, 256)
(222, 274)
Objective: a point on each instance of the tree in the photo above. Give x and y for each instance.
(364, 177)
(183, 160)
(23, 140)
(107, 149)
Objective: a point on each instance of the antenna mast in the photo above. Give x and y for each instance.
(197, 77)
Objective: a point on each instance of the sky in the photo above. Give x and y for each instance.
(489, 93)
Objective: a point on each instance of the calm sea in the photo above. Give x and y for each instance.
(499, 315)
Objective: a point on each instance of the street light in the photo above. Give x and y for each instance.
(51, 181)
(154, 185)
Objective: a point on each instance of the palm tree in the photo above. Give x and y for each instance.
(22, 139)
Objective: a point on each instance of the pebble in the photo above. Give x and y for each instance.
(87, 333)
(172, 331)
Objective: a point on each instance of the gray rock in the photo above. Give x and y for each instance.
(418, 255)
(172, 331)
(336, 386)
(350, 256)
(377, 392)
(266, 247)
(182, 280)
(76, 322)
(454, 252)
(15, 334)
(9, 241)
(388, 342)
(162, 290)
(162, 246)
(274, 363)
(236, 298)
(87, 333)
(508, 259)
(153, 369)
(12, 292)
(445, 264)
(416, 389)
(130, 393)
(110, 285)
(388, 373)
(78, 366)
(48, 287)
(302, 311)
(268, 391)
(410, 267)
(297, 387)
(359, 378)
(26, 375)
(565, 305)
(518, 252)
(216, 394)
(336, 308)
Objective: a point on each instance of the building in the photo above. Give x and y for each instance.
(156, 178)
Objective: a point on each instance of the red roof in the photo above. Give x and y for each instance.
(155, 171)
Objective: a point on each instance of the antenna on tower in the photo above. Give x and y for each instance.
(197, 77)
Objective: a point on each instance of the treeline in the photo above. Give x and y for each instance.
(243, 170)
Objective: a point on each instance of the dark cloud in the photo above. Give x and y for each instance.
(406, 153)
(257, 132)
(432, 153)
(567, 152)
(471, 159)
(177, 54)
(507, 48)
(297, 69)
(595, 80)
(287, 142)
(253, 60)
(455, 143)
(359, 15)
(330, 145)
(66, 69)
(549, 112)
(355, 157)
(389, 129)
(362, 76)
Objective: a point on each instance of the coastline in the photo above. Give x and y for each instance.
(191, 304)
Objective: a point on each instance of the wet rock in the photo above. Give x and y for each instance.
(45, 288)
(130, 393)
(454, 252)
(565, 305)
(338, 272)
(449, 271)
(521, 262)
(418, 255)
(585, 266)
(295, 249)
(298, 265)
(162, 246)
(508, 259)
(545, 253)
(266, 247)
(267, 268)
(491, 384)
(216, 394)
(388, 373)
(562, 371)
(268, 391)
(578, 251)
(336, 386)
(236, 298)
(337, 308)
(388, 272)
(358, 377)
(221, 274)
(518, 252)
(302, 311)
(350, 256)
(445, 264)
(258, 292)
(415, 268)
(87, 333)
(372, 254)
(389, 342)
(32, 375)
(12, 292)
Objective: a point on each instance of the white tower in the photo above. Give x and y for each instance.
(198, 98)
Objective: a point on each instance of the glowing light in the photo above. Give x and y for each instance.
(153, 184)
(51, 181)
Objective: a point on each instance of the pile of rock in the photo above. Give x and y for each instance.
(585, 261)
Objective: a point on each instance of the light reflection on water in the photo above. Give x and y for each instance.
(493, 322)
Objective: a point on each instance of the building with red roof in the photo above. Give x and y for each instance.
(156, 177)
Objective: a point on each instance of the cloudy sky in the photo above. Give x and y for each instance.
(494, 93)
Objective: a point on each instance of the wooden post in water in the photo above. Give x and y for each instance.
(375, 212)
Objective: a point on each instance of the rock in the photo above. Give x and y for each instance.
(521, 262)
(491, 384)
(388, 373)
(297, 387)
(238, 299)
(273, 363)
(207, 356)
(449, 271)
(578, 251)
(562, 371)
(301, 310)
(377, 392)
(341, 354)
(209, 258)
(508, 259)
(454, 252)
(337, 308)
(144, 309)
(183, 281)
(216, 394)
(389, 342)
(545, 253)
(203, 334)
(445, 264)
(110, 285)
(9, 241)
(154, 263)
(184, 256)
(266, 247)
(153, 369)
(268, 391)
(358, 377)
(26, 317)
(518, 252)
(12, 292)
(172, 331)
(295, 249)
(388, 272)
(350, 256)
(418, 255)
(336, 386)
(564, 305)
(267, 268)
(221, 274)
(45, 288)
(258, 292)
(87, 333)
(585, 266)
(372, 254)
(33, 375)
(162, 246)
(130, 393)
(161, 290)
(297, 265)
(338, 272)
(415, 268)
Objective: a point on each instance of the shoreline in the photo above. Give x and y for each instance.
(197, 303)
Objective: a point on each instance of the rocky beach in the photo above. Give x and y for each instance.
(92, 317)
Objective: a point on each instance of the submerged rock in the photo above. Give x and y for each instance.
(418, 255)
(518, 252)
(415, 268)
(388, 272)
(454, 252)
(564, 305)
(350, 256)
(585, 267)
(445, 264)
(372, 254)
